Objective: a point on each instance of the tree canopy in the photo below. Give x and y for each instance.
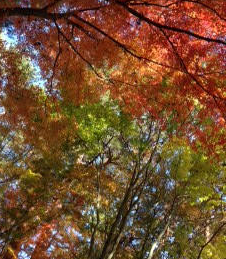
(112, 130)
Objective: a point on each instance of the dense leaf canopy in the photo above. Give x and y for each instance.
(112, 129)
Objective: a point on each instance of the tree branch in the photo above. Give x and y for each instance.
(51, 4)
(55, 61)
(77, 52)
(210, 240)
(168, 28)
(207, 7)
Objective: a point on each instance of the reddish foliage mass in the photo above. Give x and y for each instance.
(151, 55)
(165, 58)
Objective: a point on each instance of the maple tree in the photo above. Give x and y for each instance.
(112, 129)
(153, 52)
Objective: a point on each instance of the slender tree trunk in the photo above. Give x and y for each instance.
(159, 238)
(90, 254)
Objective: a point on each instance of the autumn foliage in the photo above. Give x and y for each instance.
(112, 131)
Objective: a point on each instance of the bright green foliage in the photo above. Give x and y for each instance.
(179, 155)
(30, 181)
(112, 170)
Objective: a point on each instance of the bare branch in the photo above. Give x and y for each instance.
(119, 44)
(79, 27)
(51, 4)
(55, 61)
(77, 52)
(168, 28)
(97, 8)
(185, 70)
(144, 3)
(207, 7)
(211, 239)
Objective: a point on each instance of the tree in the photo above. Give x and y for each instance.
(152, 52)
(116, 151)
(119, 188)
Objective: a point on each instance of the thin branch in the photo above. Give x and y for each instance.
(119, 44)
(134, 3)
(55, 61)
(79, 27)
(168, 28)
(215, 97)
(97, 8)
(93, 236)
(77, 52)
(159, 238)
(147, 4)
(51, 4)
(210, 240)
(207, 7)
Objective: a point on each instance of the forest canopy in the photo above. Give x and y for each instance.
(112, 129)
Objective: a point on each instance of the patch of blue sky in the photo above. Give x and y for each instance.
(23, 255)
(105, 2)
(171, 239)
(164, 255)
(8, 36)
(170, 184)
(10, 39)
(2, 111)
